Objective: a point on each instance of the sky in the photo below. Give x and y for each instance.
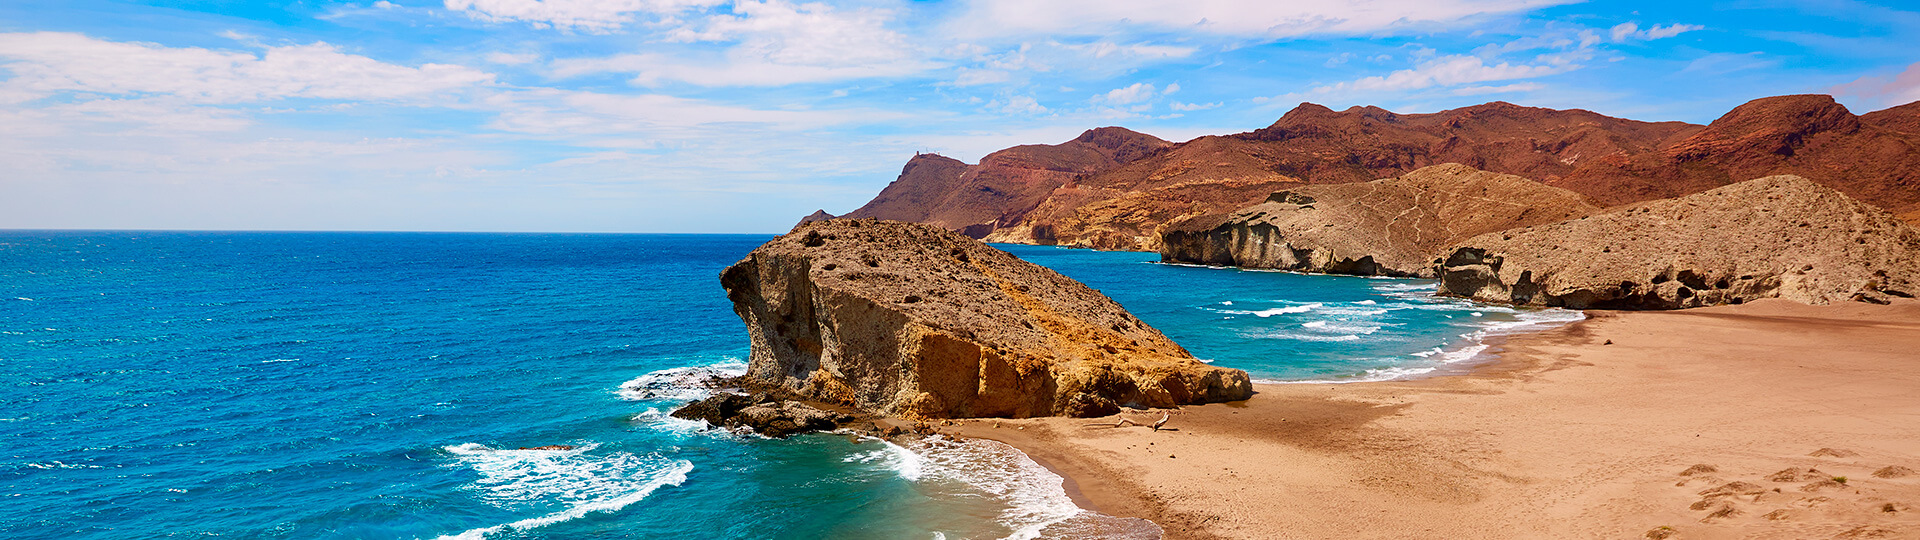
(741, 116)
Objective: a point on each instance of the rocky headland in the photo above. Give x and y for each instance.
(1118, 189)
(920, 322)
(1389, 227)
(1780, 236)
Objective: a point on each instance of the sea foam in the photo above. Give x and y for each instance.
(576, 481)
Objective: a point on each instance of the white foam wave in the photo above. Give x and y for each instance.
(1263, 313)
(1406, 287)
(663, 420)
(1341, 327)
(1036, 497)
(572, 479)
(679, 384)
(1298, 336)
(62, 465)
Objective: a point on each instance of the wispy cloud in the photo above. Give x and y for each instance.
(597, 16)
(45, 63)
(1629, 31)
(1449, 70)
(1881, 91)
(1230, 18)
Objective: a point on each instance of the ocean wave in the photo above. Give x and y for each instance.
(1038, 505)
(679, 384)
(1341, 327)
(1263, 313)
(1297, 336)
(573, 480)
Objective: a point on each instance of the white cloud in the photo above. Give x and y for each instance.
(1631, 31)
(1502, 89)
(1103, 49)
(807, 34)
(730, 70)
(976, 77)
(1171, 88)
(47, 62)
(1880, 92)
(1178, 106)
(590, 117)
(1023, 105)
(772, 43)
(1230, 18)
(1127, 95)
(1447, 71)
(512, 59)
(598, 16)
(1724, 63)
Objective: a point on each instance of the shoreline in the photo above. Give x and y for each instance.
(1558, 434)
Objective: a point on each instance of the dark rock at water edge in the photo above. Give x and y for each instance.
(766, 413)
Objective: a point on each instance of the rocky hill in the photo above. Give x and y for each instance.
(1780, 236)
(1122, 202)
(919, 321)
(975, 199)
(1392, 227)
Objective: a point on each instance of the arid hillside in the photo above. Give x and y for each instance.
(1116, 189)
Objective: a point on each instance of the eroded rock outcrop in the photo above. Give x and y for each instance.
(1392, 226)
(1780, 236)
(766, 413)
(919, 321)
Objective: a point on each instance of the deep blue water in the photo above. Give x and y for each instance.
(379, 385)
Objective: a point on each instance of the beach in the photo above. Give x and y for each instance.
(1725, 422)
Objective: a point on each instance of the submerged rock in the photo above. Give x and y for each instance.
(1779, 236)
(1392, 226)
(915, 320)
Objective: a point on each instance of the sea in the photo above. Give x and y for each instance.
(402, 385)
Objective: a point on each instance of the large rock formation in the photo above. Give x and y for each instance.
(1391, 227)
(1779, 236)
(916, 320)
(1123, 203)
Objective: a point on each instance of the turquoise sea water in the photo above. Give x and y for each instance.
(380, 385)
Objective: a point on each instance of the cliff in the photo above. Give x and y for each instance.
(1124, 203)
(919, 321)
(1391, 227)
(1779, 236)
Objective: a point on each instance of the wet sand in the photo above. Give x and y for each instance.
(1563, 436)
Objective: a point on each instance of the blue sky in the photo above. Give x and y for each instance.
(742, 116)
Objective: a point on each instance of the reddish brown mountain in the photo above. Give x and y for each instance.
(1873, 158)
(1123, 200)
(975, 199)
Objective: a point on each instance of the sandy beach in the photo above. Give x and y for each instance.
(1724, 422)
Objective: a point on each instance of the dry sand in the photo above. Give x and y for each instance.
(1562, 437)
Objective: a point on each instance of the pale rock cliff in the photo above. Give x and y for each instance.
(1780, 236)
(920, 321)
(1391, 226)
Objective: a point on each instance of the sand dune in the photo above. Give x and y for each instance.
(1766, 420)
